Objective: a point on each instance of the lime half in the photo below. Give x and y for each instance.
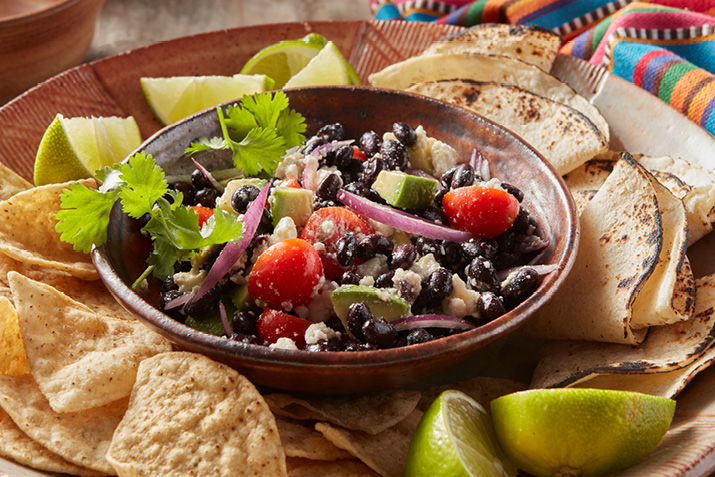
(75, 148)
(327, 68)
(586, 432)
(455, 438)
(177, 97)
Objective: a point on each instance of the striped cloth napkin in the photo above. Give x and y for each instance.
(666, 47)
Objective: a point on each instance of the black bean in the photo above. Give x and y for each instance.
(463, 176)
(520, 287)
(473, 248)
(243, 196)
(404, 256)
(426, 245)
(446, 178)
(374, 244)
(406, 291)
(490, 306)
(358, 314)
(313, 143)
(199, 180)
(342, 156)
(439, 284)
(384, 280)
(352, 170)
(505, 260)
(371, 169)
(395, 155)
(506, 241)
(370, 143)
(169, 284)
(246, 338)
(357, 346)
(328, 187)
(168, 295)
(419, 335)
(357, 188)
(379, 332)
(521, 223)
(482, 275)
(450, 253)
(186, 189)
(244, 322)
(434, 214)
(335, 323)
(207, 197)
(205, 304)
(332, 132)
(513, 190)
(404, 133)
(346, 249)
(350, 278)
(439, 196)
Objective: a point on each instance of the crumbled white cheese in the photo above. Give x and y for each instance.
(410, 277)
(319, 331)
(425, 265)
(443, 157)
(283, 343)
(326, 227)
(367, 281)
(381, 228)
(461, 301)
(291, 165)
(385, 294)
(509, 278)
(373, 267)
(285, 229)
(319, 247)
(191, 280)
(493, 183)
(319, 307)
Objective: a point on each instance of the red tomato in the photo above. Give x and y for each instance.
(482, 211)
(204, 213)
(285, 275)
(274, 324)
(290, 182)
(358, 154)
(326, 226)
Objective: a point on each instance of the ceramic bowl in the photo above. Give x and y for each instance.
(40, 38)
(122, 259)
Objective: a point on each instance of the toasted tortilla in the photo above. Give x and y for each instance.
(667, 349)
(620, 244)
(488, 68)
(558, 132)
(528, 43)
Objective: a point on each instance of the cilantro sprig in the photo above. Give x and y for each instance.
(142, 189)
(258, 131)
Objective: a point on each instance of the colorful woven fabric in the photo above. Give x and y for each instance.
(664, 46)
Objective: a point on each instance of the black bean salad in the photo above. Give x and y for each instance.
(387, 241)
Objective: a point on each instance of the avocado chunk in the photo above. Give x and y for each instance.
(240, 298)
(381, 302)
(404, 190)
(225, 200)
(291, 202)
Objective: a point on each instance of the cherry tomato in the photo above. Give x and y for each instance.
(274, 324)
(358, 154)
(482, 211)
(326, 226)
(285, 275)
(290, 182)
(204, 213)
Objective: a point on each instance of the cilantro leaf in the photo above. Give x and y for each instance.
(265, 108)
(291, 125)
(145, 184)
(260, 151)
(205, 144)
(84, 217)
(240, 121)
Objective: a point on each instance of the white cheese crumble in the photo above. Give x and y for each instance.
(374, 267)
(462, 301)
(319, 331)
(381, 228)
(410, 277)
(191, 280)
(319, 307)
(283, 343)
(285, 229)
(443, 157)
(425, 265)
(367, 281)
(291, 166)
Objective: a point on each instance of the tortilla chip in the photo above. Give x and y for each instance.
(490, 68)
(79, 359)
(371, 413)
(92, 294)
(81, 438)
(298, 467)
(16, 445)
(189, 415)
(5, 292)
(13, 361)
(36, 272)
(536, 119)
(668, 348)
(27, 232)
(621, 241)
(530, 44)
(384, 452)
(481, 389)
(302, 440)
(11, 183)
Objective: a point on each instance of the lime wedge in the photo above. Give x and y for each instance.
(455, 438)
(327, 68)
(587, 432)
(177, 97)
(284, 59)
(75, 148)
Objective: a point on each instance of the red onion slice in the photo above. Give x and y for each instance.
(541, 270)
(224, 319)
(532, 243)
(432, 321)
(310, 174)
(179, 300)
(400, 220)
(480, 165)
(208, 176)
(232, 251)
(325, 149)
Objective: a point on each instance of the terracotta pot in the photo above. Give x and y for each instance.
(41, 39)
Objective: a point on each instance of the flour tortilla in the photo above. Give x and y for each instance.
(685, 347)
(558, 132)
(78, 358)
(530, 44)
(621, 241)
(300, 439)
(489, 68)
